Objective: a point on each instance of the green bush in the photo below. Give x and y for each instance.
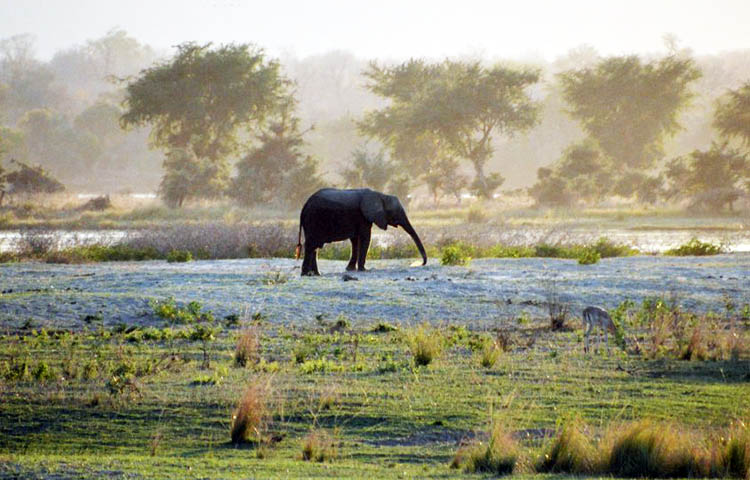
(695, 248)
(607, 249)
(589, 256)
(179, 256)
(455, 254)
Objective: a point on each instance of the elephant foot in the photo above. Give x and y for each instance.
(351, 268)
(363, 269)
(310, 273)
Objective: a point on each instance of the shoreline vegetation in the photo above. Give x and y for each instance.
(507, 228)
(219, 241)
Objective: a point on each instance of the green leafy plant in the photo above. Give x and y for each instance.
(179, 256)
(695, 247)
(589, 256)
(425, 345)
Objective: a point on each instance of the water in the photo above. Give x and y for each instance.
(11, 239)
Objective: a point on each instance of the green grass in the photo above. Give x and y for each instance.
(390, 418)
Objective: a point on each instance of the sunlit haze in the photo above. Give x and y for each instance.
(391, 29)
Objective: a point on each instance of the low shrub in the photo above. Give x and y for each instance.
(455, 254)
(476, 214)
(384, 327)
(179, 256)
(695, 247)
(103, 253)
(589, 256)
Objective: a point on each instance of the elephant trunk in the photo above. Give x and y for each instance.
(410, 230)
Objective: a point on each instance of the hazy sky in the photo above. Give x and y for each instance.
(392, 29)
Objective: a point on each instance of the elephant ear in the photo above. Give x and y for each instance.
(373, 209)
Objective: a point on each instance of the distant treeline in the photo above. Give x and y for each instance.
(577, 130)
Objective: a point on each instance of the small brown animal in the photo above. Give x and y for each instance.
(597, 317)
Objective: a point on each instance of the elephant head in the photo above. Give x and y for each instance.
(384, 210)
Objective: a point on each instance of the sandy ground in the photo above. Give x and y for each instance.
(488, 292)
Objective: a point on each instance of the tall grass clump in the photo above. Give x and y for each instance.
(646, 449)
(695, 247)
(247, 350)
(425, 344)
(570, 452)
(489, 353)
(253, 414)
(735, 457)
(319, 446)
(498, 456)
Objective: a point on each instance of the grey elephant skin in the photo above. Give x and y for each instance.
(333, 215)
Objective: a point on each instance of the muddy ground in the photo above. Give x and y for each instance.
(488, 292)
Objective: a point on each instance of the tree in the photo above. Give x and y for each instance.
(28, 179)
(29, 82)
(370, 170)
(628, 106)
(583, 173)
(631, 182)
(203, 97)
(456, 106)
(277, 170)
(732, 117)
(711, 179)
(54, 143)
(188, 176)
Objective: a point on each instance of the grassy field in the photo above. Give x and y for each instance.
(124, 388)
(131, 402)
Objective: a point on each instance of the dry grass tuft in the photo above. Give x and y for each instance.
(252, 416)
(247, 351)
(498, 456)
(647, 449)
(571, 452)
(319, 446)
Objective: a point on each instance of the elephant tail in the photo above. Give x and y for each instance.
(298, 250)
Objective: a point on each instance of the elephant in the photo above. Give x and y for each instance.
(332, 215)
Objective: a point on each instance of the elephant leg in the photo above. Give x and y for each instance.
(309, 263)
(364, 245)
(314, 262)
(355, 254)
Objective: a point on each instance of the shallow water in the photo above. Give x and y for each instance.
(487, 293)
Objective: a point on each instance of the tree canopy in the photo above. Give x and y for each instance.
(732, 117)
(629, 106)
(276, 171)
(711, 179)
(203, 96)
(454, 108)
